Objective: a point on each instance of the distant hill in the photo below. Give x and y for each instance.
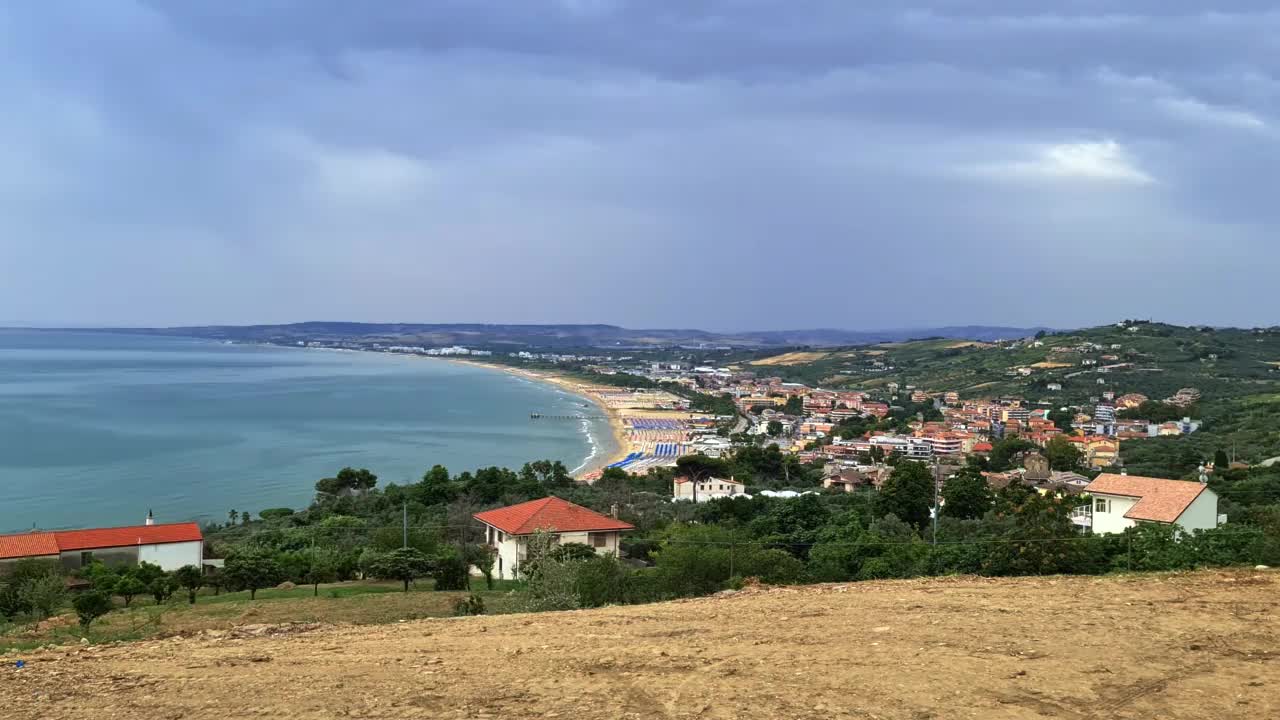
(561, 336)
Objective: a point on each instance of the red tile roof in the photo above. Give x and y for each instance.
(549, 513)
(32, 544)
(51, 543)
(135, 535)
(1160, 500)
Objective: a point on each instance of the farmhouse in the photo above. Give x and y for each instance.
(1122, 501)
(507, 530)
(169, 546)
(705, 490)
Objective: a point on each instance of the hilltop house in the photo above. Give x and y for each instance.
(1122, 501)
(507, 530)
(705, 490)
(169, 546)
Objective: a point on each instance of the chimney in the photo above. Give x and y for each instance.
(151, 519)
(613, 511)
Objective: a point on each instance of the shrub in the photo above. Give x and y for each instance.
(45, 595)
(90, 606)
(452, 572)
(471, 605)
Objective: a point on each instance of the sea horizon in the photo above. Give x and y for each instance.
(96, 429)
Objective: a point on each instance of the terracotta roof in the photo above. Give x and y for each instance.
(32, 544)
(1160, 500)
(123, 536)
(549, 513)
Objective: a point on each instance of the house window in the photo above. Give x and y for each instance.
(599, 540)
(86, 559)
(1100, 505)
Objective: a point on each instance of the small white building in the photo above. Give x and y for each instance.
(508, 529)
(705, 490)
(170, 546)
(1122, 501)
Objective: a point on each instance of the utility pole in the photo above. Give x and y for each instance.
(937, 471)
(404, 522)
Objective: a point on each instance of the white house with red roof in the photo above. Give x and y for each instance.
(1122, 501)
(170, 546)
(508, 530)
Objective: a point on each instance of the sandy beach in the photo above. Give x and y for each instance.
(582, 389)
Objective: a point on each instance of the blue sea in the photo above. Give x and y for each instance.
(96, 429)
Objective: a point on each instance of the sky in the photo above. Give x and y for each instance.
(719, 164)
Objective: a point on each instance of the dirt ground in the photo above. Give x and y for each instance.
(1197, 645)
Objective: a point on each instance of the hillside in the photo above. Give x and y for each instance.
(515, 337)
(1237, 370)
(1196, 645)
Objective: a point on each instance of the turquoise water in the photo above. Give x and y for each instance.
(96, 429)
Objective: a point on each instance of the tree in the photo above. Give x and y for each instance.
(436, 487)
(452, 571)
(774, 428)
(403, 564)
(1063, 454)
(43, 594)
(322, 567)
(275, 513)
(967, 495)
(482, 557)
(348, 481)
(1220, 461)
(573, 551)
(245, 518)
(908, 493)
(189, 577)
(129, 586)
(90, 606)
(251, 570)
(162, 588)
(794, 406)
(232, 516)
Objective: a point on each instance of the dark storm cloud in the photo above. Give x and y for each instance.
(716, 163)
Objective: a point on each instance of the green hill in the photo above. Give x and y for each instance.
(1236, 370)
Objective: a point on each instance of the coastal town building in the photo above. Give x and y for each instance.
(508, 530)
(170, 546)
(706, 490)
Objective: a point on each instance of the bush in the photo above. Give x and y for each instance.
(471, 605)
(452, 572)
(90, 606)
(45, 595)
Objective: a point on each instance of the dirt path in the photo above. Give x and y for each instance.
(1200, 645)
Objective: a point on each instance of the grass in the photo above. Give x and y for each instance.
(357, 602)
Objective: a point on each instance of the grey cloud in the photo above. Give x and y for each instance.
(718, 163)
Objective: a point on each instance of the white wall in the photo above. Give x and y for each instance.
(1202, 514)
(1112, 521)
(512, 550)
(171, 556)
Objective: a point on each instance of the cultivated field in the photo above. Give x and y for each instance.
(1196, 645)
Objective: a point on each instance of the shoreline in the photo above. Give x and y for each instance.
(595, 462)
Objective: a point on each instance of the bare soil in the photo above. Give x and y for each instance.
(1195, 645)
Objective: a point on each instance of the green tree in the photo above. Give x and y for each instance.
(44, 595)
(90, 606)
(403, 564)
(451, 571)
(232, 516)
(1220, 461)
(322, 567)
(774, 428)
(128, 587)
(436, 488)
(162, 588)
(1063, 454)
(482, 558)
(251, 570)
(190, 578)
(245, 518)
(794, 406)
(573, 551)
(908, 494)
(966, 495)
(275, 513)
(348, 481)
